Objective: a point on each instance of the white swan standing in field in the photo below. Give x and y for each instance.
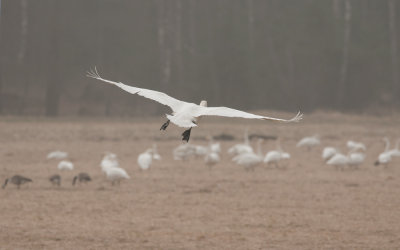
(395, 152)
(145, 159)
(156, 155)
(184, 152)
(338, 160)
(386, 156)
(65, 165)
(275, 156)
(250, 160)
(185, 114)
(355, 159)
(115, 175)
(211, 159)
(352, 145)
(309, 142)
(109, 160)
(59, 155)
(241, 148)
(329, 152)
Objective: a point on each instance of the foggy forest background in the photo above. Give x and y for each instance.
(246, 54)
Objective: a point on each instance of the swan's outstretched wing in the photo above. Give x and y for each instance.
(228, 112)
(160, 97)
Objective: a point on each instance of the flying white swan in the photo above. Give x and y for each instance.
(186, 114)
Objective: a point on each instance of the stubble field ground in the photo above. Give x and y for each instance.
(183, 205)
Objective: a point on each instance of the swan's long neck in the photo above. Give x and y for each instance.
(259, 151)
(387, 142)
(246, 136)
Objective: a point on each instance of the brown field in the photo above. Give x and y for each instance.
(183, 205)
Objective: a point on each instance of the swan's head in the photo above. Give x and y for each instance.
(203, 103)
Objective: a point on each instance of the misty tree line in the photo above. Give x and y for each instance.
(248, 54)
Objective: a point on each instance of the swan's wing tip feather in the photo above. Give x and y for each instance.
(93, 73)
(297, 118)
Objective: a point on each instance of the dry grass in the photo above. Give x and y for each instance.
(182, 205)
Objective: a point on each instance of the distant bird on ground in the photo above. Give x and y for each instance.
(55, 179)
(17, 180)
(115, 175)
(395, 152)
(241, 148)
(329, 152)
(59, 155)
(386, 156)
(356, 159)
(109, 160)
(184, 151)
(250, 160)
(65, 165)
(145, 159)
(185, 114)
(275, 156)
(82, 178)
(309, 142)
(156, 156)
(352, 145)
(211, 159)
(338, 160)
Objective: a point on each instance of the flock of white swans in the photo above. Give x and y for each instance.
(242, 154)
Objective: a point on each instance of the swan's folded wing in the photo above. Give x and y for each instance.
(160, 97)
(229, 112)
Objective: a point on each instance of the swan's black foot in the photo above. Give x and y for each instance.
(186, 135)
(165, 125)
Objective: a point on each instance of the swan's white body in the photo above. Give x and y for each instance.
(116, 174)
(241, 148)
(65, 165)
(184, 151)
(250, 160)
(386, 156)
(211, 159)
(200, 151)
(355, 146)
(339, 160)
(109, 161)
(329, 152)
(309, 142)
(145, 159)
(185, 114)
(58, 155)
(273, 156)
(395, 152)
(356, 159)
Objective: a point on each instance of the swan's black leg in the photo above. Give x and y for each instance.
(165, 125)
(186, 135)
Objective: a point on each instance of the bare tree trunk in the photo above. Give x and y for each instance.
(393, 47)
(336, 8)
(345, 57)
(22, 55)
(178, 42)
(164, 50)
(53, 81)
